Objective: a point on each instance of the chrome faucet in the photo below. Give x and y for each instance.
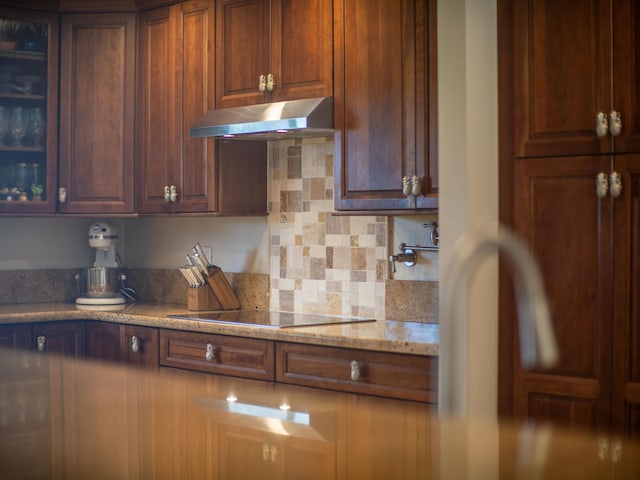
(538, 346)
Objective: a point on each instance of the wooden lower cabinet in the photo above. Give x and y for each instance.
(375, 425)
(150, 403)
(250, 453)
(15, 337)
(221, 354)
(131, 344)
(401, 376)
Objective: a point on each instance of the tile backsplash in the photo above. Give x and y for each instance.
(320, 263)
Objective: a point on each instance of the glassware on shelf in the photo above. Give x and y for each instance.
(22, 176)
(17, 127)
(36, 126)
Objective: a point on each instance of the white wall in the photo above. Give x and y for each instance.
(239, 244)
(468, 156)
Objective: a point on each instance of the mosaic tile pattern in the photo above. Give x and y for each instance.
(320, 263)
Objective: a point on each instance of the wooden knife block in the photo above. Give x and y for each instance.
(216, 295)
(202, 298)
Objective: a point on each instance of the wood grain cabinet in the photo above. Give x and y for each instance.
(577, 92)
(97, 83)
(570, 170)
(176, 173)
(248, 453)
(29, 105)
(15, 336)
(221, 354)
(273, 50)
(130, 344)
(405, 377)
(385, 105)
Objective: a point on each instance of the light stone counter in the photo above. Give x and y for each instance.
(380, 335)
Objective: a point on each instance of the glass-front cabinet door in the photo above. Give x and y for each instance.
(28, 112)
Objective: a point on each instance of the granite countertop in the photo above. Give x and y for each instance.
(380, 335)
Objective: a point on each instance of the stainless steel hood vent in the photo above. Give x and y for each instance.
(311, 117)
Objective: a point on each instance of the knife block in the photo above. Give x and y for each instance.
(202, 298)
(221, 289)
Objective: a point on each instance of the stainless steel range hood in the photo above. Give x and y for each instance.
(311, 117)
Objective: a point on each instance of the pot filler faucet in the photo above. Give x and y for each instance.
(537, 341)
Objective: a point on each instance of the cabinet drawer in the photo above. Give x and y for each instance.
(408, 377)
(222, 354)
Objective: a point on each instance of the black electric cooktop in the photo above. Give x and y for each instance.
(262, 318)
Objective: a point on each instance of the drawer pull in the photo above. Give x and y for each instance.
(209, 355)
(355, 370)
(41, 340)
(135, 344)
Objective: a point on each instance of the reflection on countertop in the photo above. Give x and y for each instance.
(380, 335)
(66, 418)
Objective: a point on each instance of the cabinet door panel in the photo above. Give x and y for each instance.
(15, 337)
(385, 104)
(61, 338)
(97, 113)
(569, 231)
(626, 332)
(139, 346)
(557, 105)
(194, 81)
(375, 140)
(156, 153)
(302, 36)
(626, 68)
(243, 51)
(44, 96)
(103, 341)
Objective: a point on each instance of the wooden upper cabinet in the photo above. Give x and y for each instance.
(291, 40)
(175, 89)
(33, 152)
(385, 105)
(558, 106)
(97, 81)
(177, 173)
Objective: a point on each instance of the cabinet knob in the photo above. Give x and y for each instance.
(355, 370)
(415, 185)
(602, 185)
(173, 193)
(167, 193)
(135, 344)
(262, 83)
(270, 82)
(615, 122)
(209, 355)
(40, 342)
(62, 195)
(411, 186)
(602, 126)
(615, 184)
(406, 186)
(265, 452)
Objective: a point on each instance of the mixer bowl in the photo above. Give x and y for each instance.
(102, 282)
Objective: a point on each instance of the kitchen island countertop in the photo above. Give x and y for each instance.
(380, 335)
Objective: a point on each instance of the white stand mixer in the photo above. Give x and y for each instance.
(102, 280)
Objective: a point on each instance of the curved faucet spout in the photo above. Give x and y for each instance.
(537, 341)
